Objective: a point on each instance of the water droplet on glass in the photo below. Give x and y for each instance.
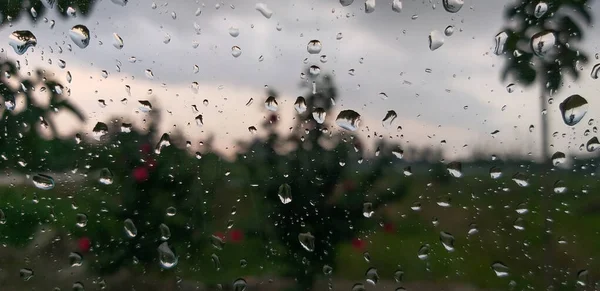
(472, 229)
(543, 42)
(81, 219)
(510, 88)
(519, 224)
(501, 39)
(2, 217)
(327, 270)
(521, 179)
(250, 101)
(397, 6)
(368, 209)
(117, 41)
(216, 262)
(389, 118)
(300, 105)
(106, 176)
(436, 40)
(21, 40)
(540, 9)
(80, 35)
(346, 2)
(166, 256)
(307, 241)
(582, 277)
(558, 158)
(339, 35)
(285, 193)
(455, 169)
(398, 153)
(319, 115)
(594, 74)
(165, 232)
(239, 285)
(423, 252)
(264, 10)
(495, 173)
(171, 211)
(234, 31)
(371, 276)
(252, 129)
(449, 30)
(26, 274)
(217, 242)
(592, 144)
(398, 275)
(573, 109)
(130, 228)
(358, 287)
(314, 47)
(369, 6)
(314, 70)
(560, 187)
(271, 104)
(236, 51)
(453, 6)
(75, 259)
(447, 241)
(366, 256)
(43, 182)
(99, 130)
(500, 269)
(347, 119)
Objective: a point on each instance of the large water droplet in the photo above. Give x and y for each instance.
(165, 232)
(314, 47)
(371, 276)
(327, 270)
(582, 277)
(99, 130)
(453, 6)
(398, 275)
(455, 169)
(501, 39)
(130, 228)
(81, 220)
(199, 120)
(2, 217)
(117, 41)
(397, 6)
(234, 31)
(558, 158)
(368, 209)
(216, 261)
(521, 179)
(239, 285)
(592, 144)
(171, 211)
(236, 51)
(519, 224)
(271, 104)
(307, 241)
(43, 182)
(106, 176)
(346, 2)
(594, 74)
(436, 40)
(21, 40)
(26, 274)
(319, 115)
(80, 35)
(540, 9)
(217, 242)
(389, 118)
(449, 30)
(358, 287)
(164, 142)
(495, 173)
(573, 109)
(348, 120)
(447, 241)
(369, 6)
(500, 269)
(75, 259)
(543, 42)
(264, 10)
(560, 187)
(300, 105)
(423, 252)
(166, 256)
(285, 193)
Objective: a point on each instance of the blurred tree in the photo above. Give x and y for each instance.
(12, 10)
(319, 196)
(539, 46)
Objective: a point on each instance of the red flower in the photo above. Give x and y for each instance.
(358, 244)
(84, 244)
(388, 227)
(140, 174)
(236, 235)
(146, 148)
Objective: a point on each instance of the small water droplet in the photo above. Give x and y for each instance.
(560, 187)
(397, 6)
(447, 240)
(358, 287)
(501, 39)
(81, 219)
(369, 6)
(307, 241)
(327, 270)
(80, 35)
(371, 276)
(521, 179)
(592, 144)
(449, 31)
(105, 177)
(26, 274)
(300, 105)
(216, 261)
(573, 109)
(165, 232)
(239, 285)
(130, 228)
(423, 252)
(495, 173)
(558, 158)
(285, 193)
(234, 31)
(368, 209)
(582, 277)
(346, 2)
(389, 118)
(171, 211)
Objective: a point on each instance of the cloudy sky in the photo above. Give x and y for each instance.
(453, 93)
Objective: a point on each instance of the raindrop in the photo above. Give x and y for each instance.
(495, 173)
(347, 119)
(501, 39)
(398, 275)
(250, 101)
(130, 228)
(398, 153)
(423, 252)
(217, 242)
(383, 96)
(26, 274)
(271, 104)
(472, 229)
(369, 6)
(216, 262)
(559, 187)
(371, 276)
(243, 263)
(149, 74)
(592, 144)
(521, 179)
(307, 241)
(165, 232)
(319, 115)
(300, 105)
(236, 51)
(595, 71)
(199, 120)
(252, 129)
(447, 240)
(346, 2)
(167, 38)
(285, 193)
(500, 269)
(540, 9)
(389, 118)
(455, 169)
(80, 35)
(368, 209)
(327, 270)
(358, 287)
(69, 77)
(120, 2)
(196, 69)
(234, 31)
(117, 41)
(145, 106)
(436, 40)
(21, 40)
(453, 6)
(397, 6)
(2, 217)
(99, 130)
(339, 35)
(314, 47)
(62, 64)
(543, 42)
(106, 176)
(519, 224)
(558, 158)
(75, 259)
(171, 211)
(323, 59)
(314, 70)
(166, 256)
(449, 30)
(582, 277)
(43, 182)
(573, 109)
(522, 208)
(510, 88)
(239, 285)
(407, 171)
(81, 220)
(264, 10)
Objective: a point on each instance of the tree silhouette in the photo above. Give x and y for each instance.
(539, 46)
(12, 10)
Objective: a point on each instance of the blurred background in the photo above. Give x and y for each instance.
(299, 145)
